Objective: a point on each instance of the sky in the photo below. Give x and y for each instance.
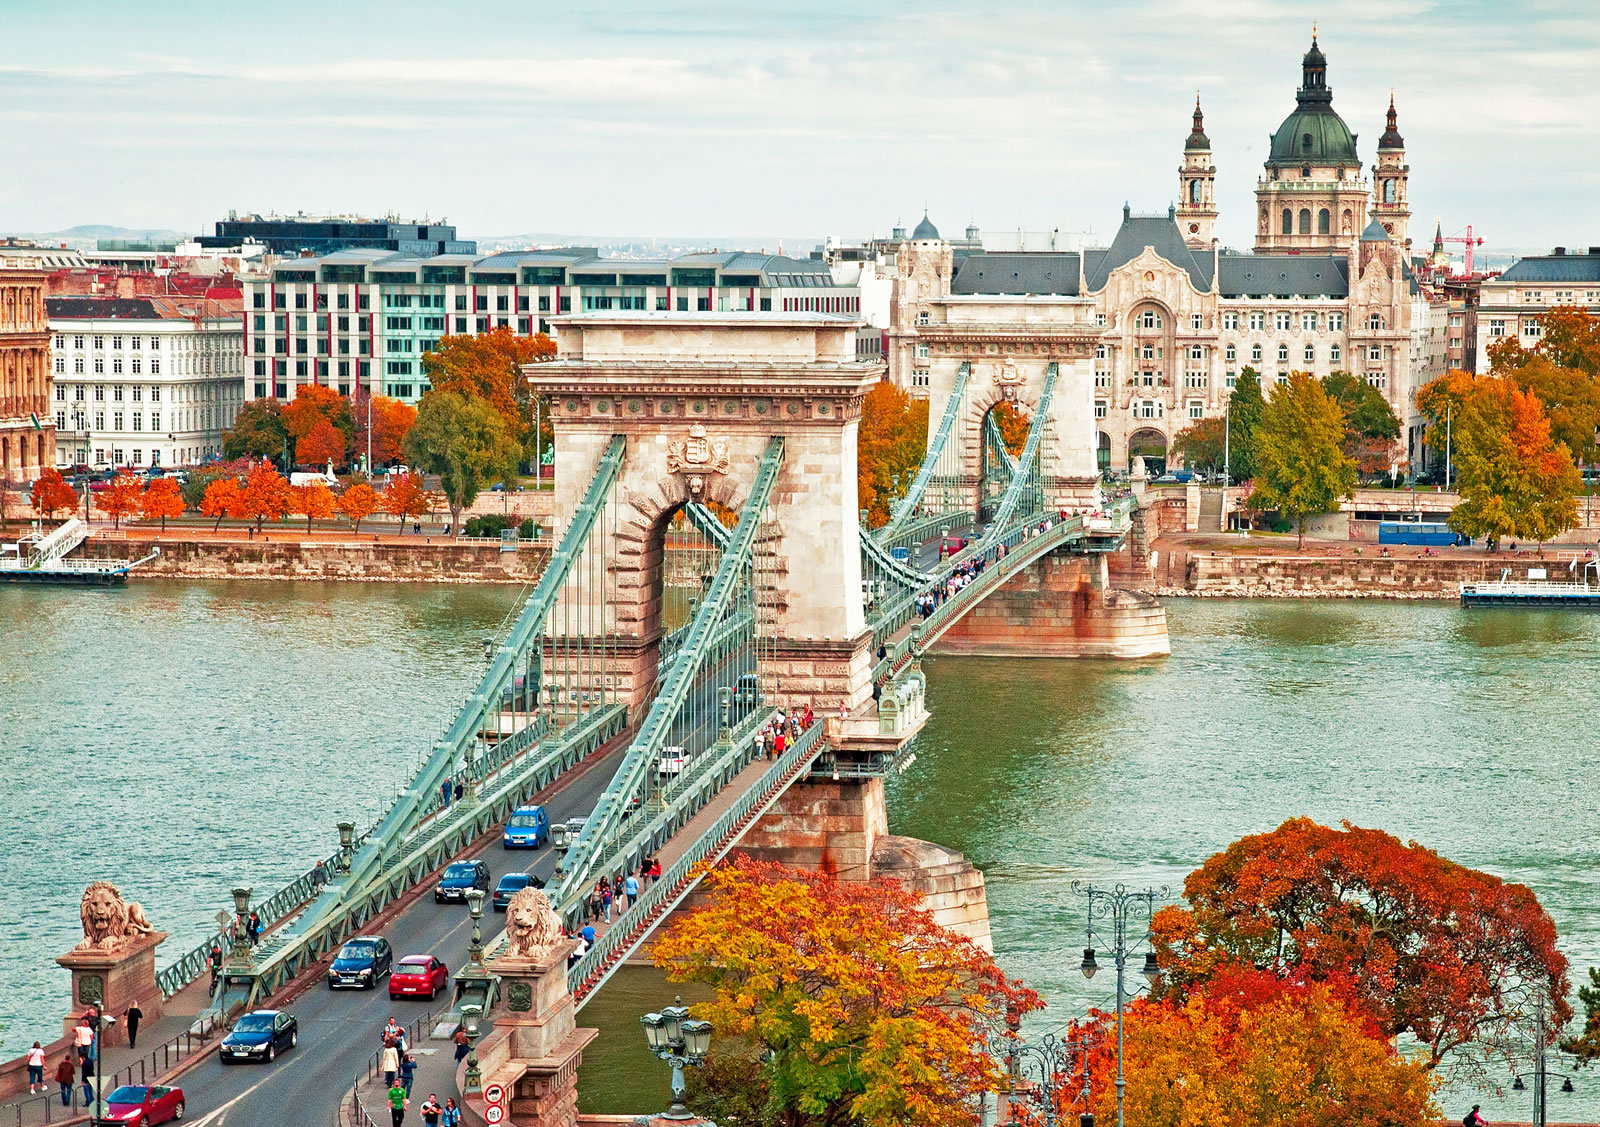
(679, 119)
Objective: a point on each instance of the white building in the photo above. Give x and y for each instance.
(1513, 304)
(148, 381)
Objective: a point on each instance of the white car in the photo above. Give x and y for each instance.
(673, 761)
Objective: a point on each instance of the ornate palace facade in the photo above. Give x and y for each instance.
(27, 426)
(1169, 317)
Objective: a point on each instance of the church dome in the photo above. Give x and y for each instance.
(925, 229)
(1374, 232)
(1314, 133)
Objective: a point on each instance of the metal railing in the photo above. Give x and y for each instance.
(635, 925)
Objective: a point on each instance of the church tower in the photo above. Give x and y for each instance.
(1389, 203)
(1312, 196)
(1197, 178)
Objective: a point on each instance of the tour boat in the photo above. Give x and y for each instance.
(1537, 589)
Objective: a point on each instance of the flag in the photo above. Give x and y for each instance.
(36, 425)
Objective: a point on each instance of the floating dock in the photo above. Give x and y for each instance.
(1537, 591)
(41, 557)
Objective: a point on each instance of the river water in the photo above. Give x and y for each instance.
(180, 737)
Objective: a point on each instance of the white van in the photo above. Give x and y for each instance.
(327, 479)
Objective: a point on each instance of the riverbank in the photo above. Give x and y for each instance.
(280, 554)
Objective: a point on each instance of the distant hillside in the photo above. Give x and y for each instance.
(106, 231)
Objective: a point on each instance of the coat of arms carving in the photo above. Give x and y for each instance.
(697, 456)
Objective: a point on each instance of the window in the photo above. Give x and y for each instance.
(502, 304)
(155, 420)
(1197, 409)
(1196, 322)
(1148, 352)
(77, 364)
(1149, 320)
(61, 364)
(300, 368)
(1310, 354)
(1375, 321)
(1288, 219)
(1197, 353)
(1255, 353)
(1102, 379)
(922, 352)
(1528, 295)
(482, 303)
(922, 317)
(99, 364)
(1530, 328)
(1374, 352)
(299, 301)
(260, 299)
(920, 377)
(100, 393)
(1283, 377)
(1283, 353)
(1497, 327)
(1229, 379)
(1195, 379)
(1099, 352)
(1258, 321)
(99, 343)
(1100, 320)
(1305, 219)
(1149, 410)
(1231, 353)
(116, 342)
(1281, 321)
(1099, 409)
(138, 394)
(77, 342)
(1308, 322)
(1378, 379)
(1230, 320)
(1324, 222)
(1335, 353)
(116, 420)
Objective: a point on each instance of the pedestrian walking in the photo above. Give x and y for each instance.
(588, 934)
(460, 790)
(83, 1041)
(451, 1117)
(655, 869)
(390, 1065)
(216, 966)
(1474, 1118)
(35, 1069)
(444, 793)
(431, 1111)
(65, 1074)
(397, 1104)
(408, 1071)
(644, 871)
(631, 887)
(463, 1044)
(133, 1016)
(252, 928)
(605, 898)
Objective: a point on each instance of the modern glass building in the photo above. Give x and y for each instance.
(302, 234)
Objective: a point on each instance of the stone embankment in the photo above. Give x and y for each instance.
(1342, 577)
(391, 560)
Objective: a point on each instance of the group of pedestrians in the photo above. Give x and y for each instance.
(780, 732)
(400, 1072)
(965, 573)
(621, 892)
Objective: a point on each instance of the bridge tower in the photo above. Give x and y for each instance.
(698, 397)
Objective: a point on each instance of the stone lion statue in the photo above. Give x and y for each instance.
(532, 927)
(110, 923)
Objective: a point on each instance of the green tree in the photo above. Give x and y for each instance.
(1301, 464)
(1245, 411)
(1200, 444)
(1370, 425)
(1516, 479)
(258, 432)
(1586, 1045)
(464, 440)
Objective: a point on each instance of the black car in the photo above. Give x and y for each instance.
(260, 1035)
(460, 876)
(361, 962)
(510, 885)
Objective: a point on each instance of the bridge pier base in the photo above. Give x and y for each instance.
(1061, 606)
(537, 1045)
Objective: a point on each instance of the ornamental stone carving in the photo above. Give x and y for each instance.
(110, 924)
(533, 930)
(698, 456)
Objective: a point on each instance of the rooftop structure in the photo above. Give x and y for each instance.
(302, 234)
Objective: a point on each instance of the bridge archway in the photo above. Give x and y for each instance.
(1151, 445)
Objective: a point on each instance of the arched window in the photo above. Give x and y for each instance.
(1255, 353)
(1375, 321)
(1149, 320)
(1194, 191)
(1288, 222)
(1324, 222)
(1388, 191)
(1305, 221)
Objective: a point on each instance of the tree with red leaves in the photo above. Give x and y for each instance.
(52, 494)
(868, 1011)
(1446, 953)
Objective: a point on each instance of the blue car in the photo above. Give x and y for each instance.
(459, 877)
(361, 962)
(260, 1035)
(510, 885)
(527, 828)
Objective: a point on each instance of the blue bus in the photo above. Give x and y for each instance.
(1417, 533)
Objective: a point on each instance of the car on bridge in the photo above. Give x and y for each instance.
(460, 876)
(144, 1104)
(509, 886)
(260, 1035)
(361, 962)
(563, 834)
(419, 976)
(673, 761)
(527, 828)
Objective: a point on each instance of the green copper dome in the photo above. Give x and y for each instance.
(1314, 133)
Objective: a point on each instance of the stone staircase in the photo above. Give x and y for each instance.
(1210, 511)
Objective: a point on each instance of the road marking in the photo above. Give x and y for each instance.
(221, 1113)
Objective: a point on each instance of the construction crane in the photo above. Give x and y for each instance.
(1468, 242)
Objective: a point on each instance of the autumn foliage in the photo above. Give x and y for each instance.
(224, 497)
(314, 501)
(890, 442)
(404, 497)
(1253, 1050)
(358, 503)
(267, 495)
(1422, 945)
(121, 498)
(391, 420)
(319, 423)
(488, 367)
(162, 498)
(52, 494)
(323, 445)
(870, 1012)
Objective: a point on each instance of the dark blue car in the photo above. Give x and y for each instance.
(361, 962)
(510, 885)
(459, 877)
(260, 1035)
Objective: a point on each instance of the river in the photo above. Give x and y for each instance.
(184, 736)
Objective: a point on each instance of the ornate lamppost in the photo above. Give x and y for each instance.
(675, 1037)
(347, 841)
(1051, 1060)
(1118, 905)
(240, 955)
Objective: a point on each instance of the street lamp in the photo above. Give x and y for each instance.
(347, 840)
(240, 956)
(471, 1015)
(1118, 905)
(673, 1036)
(475, 898)
(102, 1022)
(1052, 1058)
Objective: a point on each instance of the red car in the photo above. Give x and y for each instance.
(418, 976)
(143, 1105)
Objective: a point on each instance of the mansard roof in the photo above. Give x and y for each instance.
(1158, 232)
(1283, 275)
(994, 272)
(1554, 268)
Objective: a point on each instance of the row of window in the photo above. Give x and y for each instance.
(1564, 297)
(185, 343)
(1531, 327)
(1282, 321)
(187, 456)
(303, 369)
(1154, 409)
(502, 302)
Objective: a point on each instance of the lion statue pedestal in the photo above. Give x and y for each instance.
(536, 1045)
(115, 963)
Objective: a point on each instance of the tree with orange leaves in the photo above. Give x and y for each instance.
(391, 421)
(323, 445)
(122, 497)
(266, 496)
(1014, 427)
(163, 498)
(223, 498)
(314, 404)
(1448, 954)
(1251, 1050)
(314, 500)
(488, 366)
(405, 497)
(52, 494)
(867, 1010)
(358, 503)
(890, 444)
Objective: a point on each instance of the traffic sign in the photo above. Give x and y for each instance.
(494, 1114)
(494, 1093)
